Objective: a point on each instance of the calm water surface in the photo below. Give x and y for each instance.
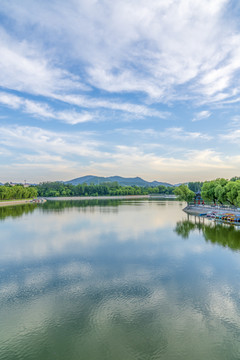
(117, 280)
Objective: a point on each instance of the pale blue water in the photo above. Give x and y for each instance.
(117, 280)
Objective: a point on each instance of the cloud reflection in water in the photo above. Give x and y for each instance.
(122, 280)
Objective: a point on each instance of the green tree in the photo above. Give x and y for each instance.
(3, 192)
(32, 192)
(233, 192)
(208, 190)
(184, 194)
(220, 190)
(195, 186)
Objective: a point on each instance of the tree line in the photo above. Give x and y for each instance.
(221, 191)
(9, 192)
(53, 189)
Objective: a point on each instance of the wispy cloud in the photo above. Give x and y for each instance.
(75, 152)
(232, 136)
(190, 164)
(43, 110)
(202, 115)
(181, 134)
(89, 113)
(235, 120)
(161, 47)
(139, 110)
(172, 133)
(24, 67)
(112, 62)
(40, 141)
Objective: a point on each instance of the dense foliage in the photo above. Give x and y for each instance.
(195, 186)
(184, 193)
(219, 191)
(222, 191)
(50, 189)
(8, 192)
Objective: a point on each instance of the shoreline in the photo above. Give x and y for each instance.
(15, 202)
(82, 198)
(198, 210)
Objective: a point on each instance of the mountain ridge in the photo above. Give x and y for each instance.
(123, 181)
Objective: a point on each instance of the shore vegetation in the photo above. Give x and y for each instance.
(17, 192)
(222, 191)
(56, 189)
(219, 191)
(184, 193)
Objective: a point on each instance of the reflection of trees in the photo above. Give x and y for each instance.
(16, 211)
(183, 228)
(108, 205)
(64, 204)
(224, 235)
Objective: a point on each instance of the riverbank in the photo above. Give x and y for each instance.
(15, 202)
(22, 201)
(82, 198)
(204, 209)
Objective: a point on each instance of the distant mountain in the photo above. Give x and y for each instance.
(90, 179)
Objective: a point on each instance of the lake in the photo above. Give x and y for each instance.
(119, 280)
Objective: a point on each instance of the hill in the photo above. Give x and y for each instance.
(91, 179)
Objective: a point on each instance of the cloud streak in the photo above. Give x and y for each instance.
(153, 48)
(55, 151)
(89, 107)
(205, 114)
(43, 111)
(24, 68)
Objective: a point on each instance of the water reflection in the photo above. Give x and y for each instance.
(60, 206)
(83, 283)
(224, 235)
(78, 228)
(106, 205)
(16, 211)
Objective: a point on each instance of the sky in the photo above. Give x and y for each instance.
(129, 88)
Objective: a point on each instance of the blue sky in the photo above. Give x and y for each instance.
(130, 88)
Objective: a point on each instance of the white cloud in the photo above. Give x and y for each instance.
(180, 134)
(100, 62)
(235, 120)
(43, 110)
(45, 142)
(232, 136)
(126, 46)
(75, 154)
(202, 115)
(173, 133)
(135, 109)
(24, 67)
(185, 166)
(10, 100)
(73, 117)
(36, 108)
